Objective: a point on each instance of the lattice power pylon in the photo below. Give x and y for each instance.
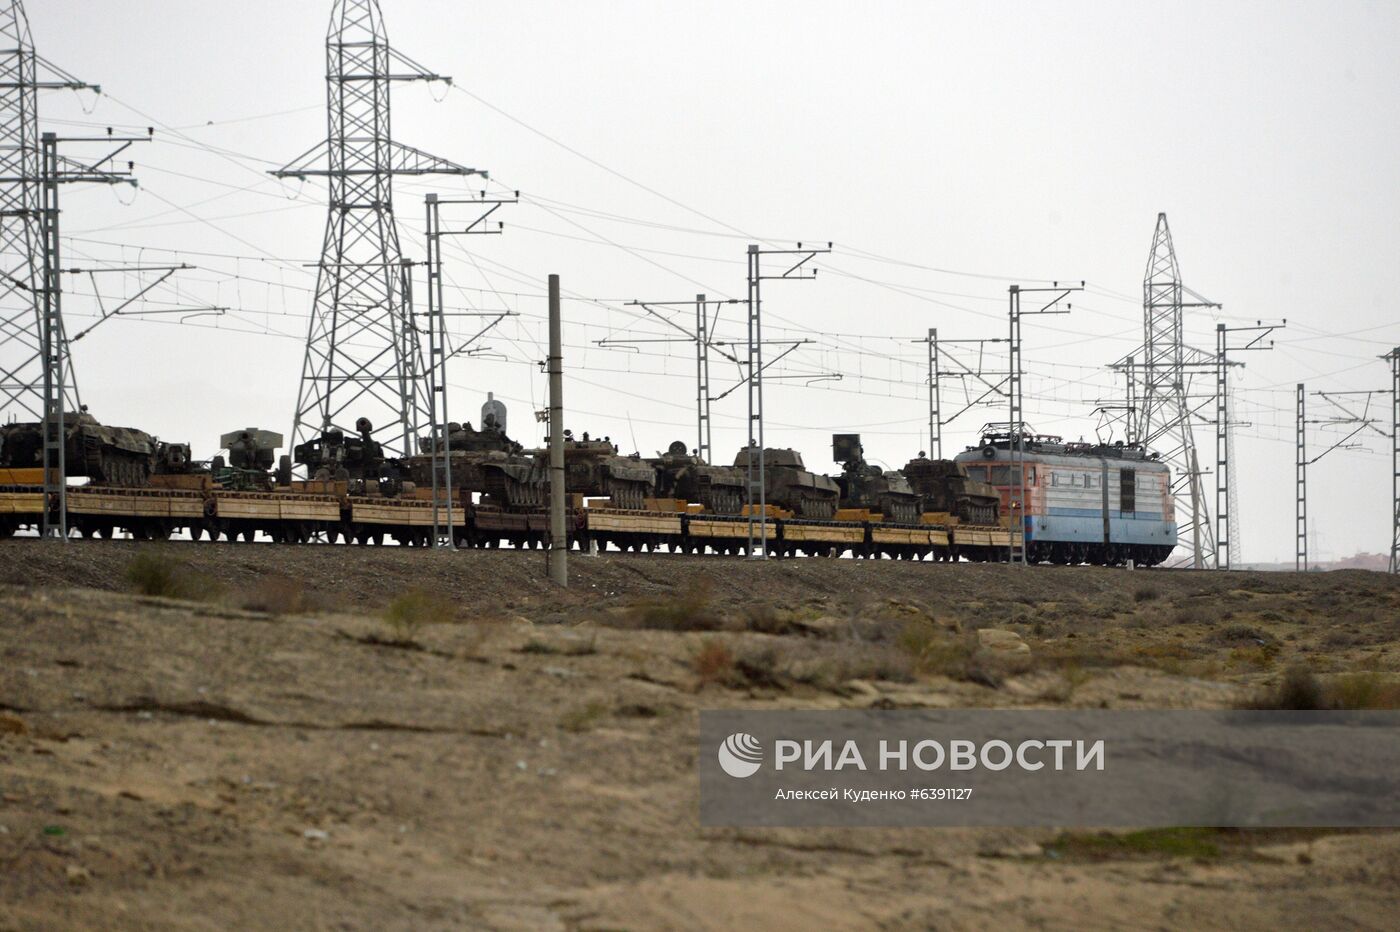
(1166, 407)
(363, 354)
(1393, 357)
(22, 276)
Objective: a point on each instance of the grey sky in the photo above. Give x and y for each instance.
(1013, 141)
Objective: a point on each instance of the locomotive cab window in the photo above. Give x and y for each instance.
(1127, 490)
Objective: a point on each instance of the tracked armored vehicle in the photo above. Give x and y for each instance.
(120, 456)
(946, 487)
(594, 468)
(679, 474)
(865, 485)
(788, 484)
(483, 461)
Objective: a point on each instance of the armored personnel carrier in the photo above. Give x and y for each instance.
(594, 468)
(946, 486)
(679, 474)
(789, 485)
(121, 456)
(865, 485)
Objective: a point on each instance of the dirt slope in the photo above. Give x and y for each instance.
(527, 759)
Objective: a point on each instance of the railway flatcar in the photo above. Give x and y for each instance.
(1084, 503)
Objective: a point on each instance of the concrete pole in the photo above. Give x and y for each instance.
(558, 536)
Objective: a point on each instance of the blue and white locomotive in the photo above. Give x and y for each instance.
(1083, 503)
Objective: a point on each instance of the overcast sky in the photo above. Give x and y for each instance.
(948, 150)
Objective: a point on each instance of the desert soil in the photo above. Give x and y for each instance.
(284, 739)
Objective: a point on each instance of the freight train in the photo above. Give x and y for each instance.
(1082, 503)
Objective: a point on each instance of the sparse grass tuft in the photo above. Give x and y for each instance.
(1199, 843)
(760, 667)
(1363, 691)
(933, 651)
(713, 662)
(689, 610)
(151, 573)
(1145, 594)
(279, 595)
(409, 613)
(583, 718)
(767, 619)
(571, 647)
(1238, 635)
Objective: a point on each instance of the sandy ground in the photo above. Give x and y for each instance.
(272, 749)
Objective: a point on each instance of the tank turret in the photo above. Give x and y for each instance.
(594, 468)
(485, 462)
(681, 474)
(789, 485)
(946, 487)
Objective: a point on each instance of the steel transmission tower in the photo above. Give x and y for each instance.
(1393, 357)
(22, 272)
(363, 355)
(1165, 406)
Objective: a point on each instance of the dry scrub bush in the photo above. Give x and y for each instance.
(151, 573)
(570, 647)
(1240, 636)
(689, 610)
(279, 595)
(933, 651)
(768, 619)
(583, 718)
(1363, 691)
(713, 662)
(1299, 690)
(409, 613)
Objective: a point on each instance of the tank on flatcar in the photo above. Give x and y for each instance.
(681, 474)
(946, 487)
(1079, 502)
(865, 485)
(118, 456)
(788, 484)
(484, 461)
(595, 468)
